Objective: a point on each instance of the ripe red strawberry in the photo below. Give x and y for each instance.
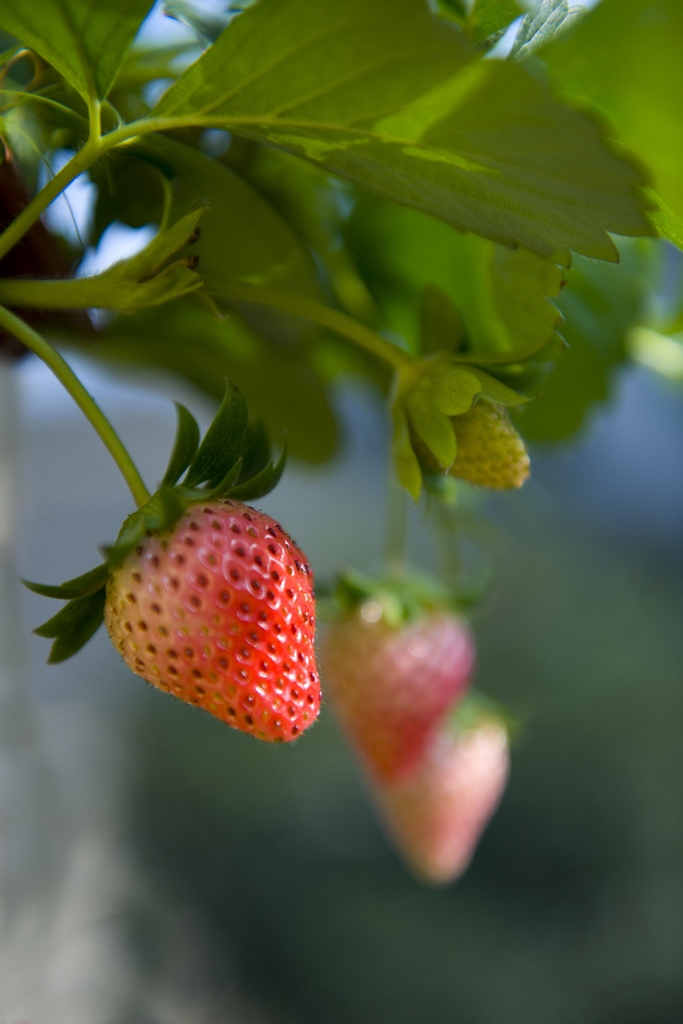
(391, 687)
(219, 611)
(490, 452)
(436, 816)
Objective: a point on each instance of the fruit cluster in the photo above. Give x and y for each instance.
(436, 760)
(210, 600)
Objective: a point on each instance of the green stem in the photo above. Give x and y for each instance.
(83, 400)
(54, 187)
(96, 146)
(321, 314)
(396, 527)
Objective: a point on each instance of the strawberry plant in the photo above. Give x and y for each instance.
(466, 206)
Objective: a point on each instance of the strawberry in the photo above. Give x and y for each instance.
(220, 612)
(437, 814)
(490, 452)
(391, 685)
(203, 596)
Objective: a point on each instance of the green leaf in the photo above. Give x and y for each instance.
(243, 238)
(206, 25)
(542, 26)
(624, 58)
(73, 626)
(489, 19)
(149, 278)
(442, 324)
(600, 305)
(404, 458)
(504, 297)
(400, 104)
(316, 205)
(85, 40)
(223, 441)
(262, 483)
(185, 446)
(81, 586)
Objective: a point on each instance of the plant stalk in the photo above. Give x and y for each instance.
(396, 527)
(319, 313)
(81, 397)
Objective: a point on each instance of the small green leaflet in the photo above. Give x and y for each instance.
(428, 396)
(405, 461)
(396, 100)
(73, 625)
(85, 40)
(218, 463)
(185, 447)
(149, 278)
(223, 442)
(243, 237)
(262, 483)
(81, 586)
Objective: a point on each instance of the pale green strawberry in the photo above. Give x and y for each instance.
(490, 452)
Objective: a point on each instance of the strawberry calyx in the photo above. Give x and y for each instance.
(429, 396)
(231, 462)
(396, 600)
(475, 711)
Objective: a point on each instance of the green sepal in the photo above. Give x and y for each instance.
(476, 710)
(73, 625)
(402, 599)
(222, 444)
(433, 428)
(231, 462)
(256, 453)
(262, 483)
(406, 464)
(185, 446)
(493, 390)
(224, 488)
(161, 513)
(80, 586)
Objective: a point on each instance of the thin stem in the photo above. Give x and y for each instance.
(96, 146)
(95, 121)
(321, 314)
(396, 526)
(54, 187)
(81, 397)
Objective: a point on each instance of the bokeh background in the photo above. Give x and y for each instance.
(159, 868)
